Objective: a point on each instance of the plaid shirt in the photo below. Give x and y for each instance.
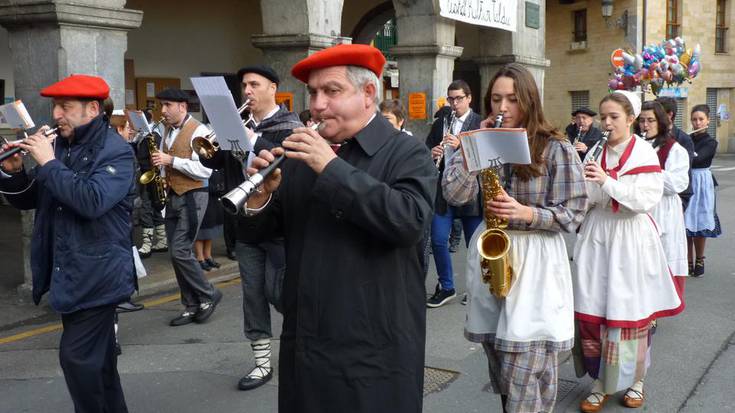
(558, 198)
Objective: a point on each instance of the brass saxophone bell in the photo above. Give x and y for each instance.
(147, 177)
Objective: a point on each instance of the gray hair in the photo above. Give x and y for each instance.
(360, 76)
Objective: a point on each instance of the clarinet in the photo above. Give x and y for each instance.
(600, 144)
(452, 120)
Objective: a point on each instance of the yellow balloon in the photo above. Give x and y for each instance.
(685, 58)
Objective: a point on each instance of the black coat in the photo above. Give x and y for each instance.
(435, 137)
(233, 167)
(354, 297)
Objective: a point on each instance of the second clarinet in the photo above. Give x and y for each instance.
(452, 121)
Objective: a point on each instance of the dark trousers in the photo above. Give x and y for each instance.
(262, 267)
(87, 356)
(149, 217)
(230, 232)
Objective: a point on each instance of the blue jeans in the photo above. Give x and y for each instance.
(441, 226)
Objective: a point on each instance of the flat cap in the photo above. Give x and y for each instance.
(265, 71)
(585, 110)
(78, 86)
(173, 95)
(361, 55)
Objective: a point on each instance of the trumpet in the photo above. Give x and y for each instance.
(452, 120)
(12, 151)
(233, 201)
(206, 146)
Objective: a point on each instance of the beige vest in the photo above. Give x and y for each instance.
(180, 182)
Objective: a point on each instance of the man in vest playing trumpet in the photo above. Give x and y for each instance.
(185, 206)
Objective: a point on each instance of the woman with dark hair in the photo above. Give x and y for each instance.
(622, 282)
(523, 334)
(669, 214)
(701, 217)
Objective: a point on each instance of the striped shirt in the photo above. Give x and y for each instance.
(558, 197)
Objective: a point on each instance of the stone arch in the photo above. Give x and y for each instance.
(364, 31)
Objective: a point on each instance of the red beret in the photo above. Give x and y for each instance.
(341, 55)
(78, 86)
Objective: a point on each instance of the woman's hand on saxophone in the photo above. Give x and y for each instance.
(506, 207)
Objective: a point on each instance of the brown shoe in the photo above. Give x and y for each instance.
(635, 400)
(587, 406)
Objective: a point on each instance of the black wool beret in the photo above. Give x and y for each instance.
(265, 71)
(173, 95)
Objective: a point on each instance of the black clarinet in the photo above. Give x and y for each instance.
(600, 145)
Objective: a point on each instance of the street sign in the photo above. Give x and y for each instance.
(617, 58)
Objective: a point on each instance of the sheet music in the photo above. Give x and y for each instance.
(483, 148)
(220, 106)
(16, 115)
(138, 121)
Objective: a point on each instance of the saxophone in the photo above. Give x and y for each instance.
(494, 243)
(153, 176)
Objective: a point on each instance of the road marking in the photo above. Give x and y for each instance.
(721, 169)
(57, 326)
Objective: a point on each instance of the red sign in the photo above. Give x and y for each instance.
(617, 58)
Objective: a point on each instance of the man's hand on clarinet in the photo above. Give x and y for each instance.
(451, 140)
(307, 145)
(437, 151)
(39, 146)
(271, 182)
(13, 164)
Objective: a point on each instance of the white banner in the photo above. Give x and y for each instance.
(500, 14)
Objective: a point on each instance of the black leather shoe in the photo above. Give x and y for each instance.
(212, 263)
(206, 309)
(205, 265)
(187, 317)
(129, 307)
(231, 255)
(249, 383)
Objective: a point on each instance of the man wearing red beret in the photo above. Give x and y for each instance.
(82, 190)
(354, 220)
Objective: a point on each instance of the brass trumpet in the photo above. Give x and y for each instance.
(206, 146)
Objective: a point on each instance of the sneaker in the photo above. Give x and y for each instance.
(440, 298)
(206, 309)
(205, 266)
(212, 263)
(187, 317)
(465, 299)
(698, 267)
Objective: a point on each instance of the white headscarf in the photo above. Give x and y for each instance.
(634, 100)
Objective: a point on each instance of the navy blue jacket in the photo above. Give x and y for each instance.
(81, 250)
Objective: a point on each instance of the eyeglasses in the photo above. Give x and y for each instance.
(457, 99)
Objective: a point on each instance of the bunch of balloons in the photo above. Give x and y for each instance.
(670, 63)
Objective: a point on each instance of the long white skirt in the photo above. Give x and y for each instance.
(622, 277)
(669, 216)
(539, 307)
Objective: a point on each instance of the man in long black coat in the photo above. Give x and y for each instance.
(354, 220)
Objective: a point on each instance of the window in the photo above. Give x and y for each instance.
(681, 114)
(386, 38)
(580, 25)
(712, 103)
(673, 25)
(580, 99)
(721, 27)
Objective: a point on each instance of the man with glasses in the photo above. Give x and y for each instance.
(444, 142)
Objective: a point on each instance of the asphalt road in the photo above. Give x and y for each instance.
(196, 368)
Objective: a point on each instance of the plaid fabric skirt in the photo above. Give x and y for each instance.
(528, 379)
(618, 357)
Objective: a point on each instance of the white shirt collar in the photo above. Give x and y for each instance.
(270, 114)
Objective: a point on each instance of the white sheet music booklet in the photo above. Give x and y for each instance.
(485, 148)
(217, 100)
(16, 115)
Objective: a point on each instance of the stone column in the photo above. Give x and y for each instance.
(293, 30)
(425, 54)
(526, 46)
(51, 39)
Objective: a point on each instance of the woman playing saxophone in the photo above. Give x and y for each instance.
(523, 333)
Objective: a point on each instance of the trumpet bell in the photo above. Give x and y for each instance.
(147, 177)
(203, 147)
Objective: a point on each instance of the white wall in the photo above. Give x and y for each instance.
(182, 38)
